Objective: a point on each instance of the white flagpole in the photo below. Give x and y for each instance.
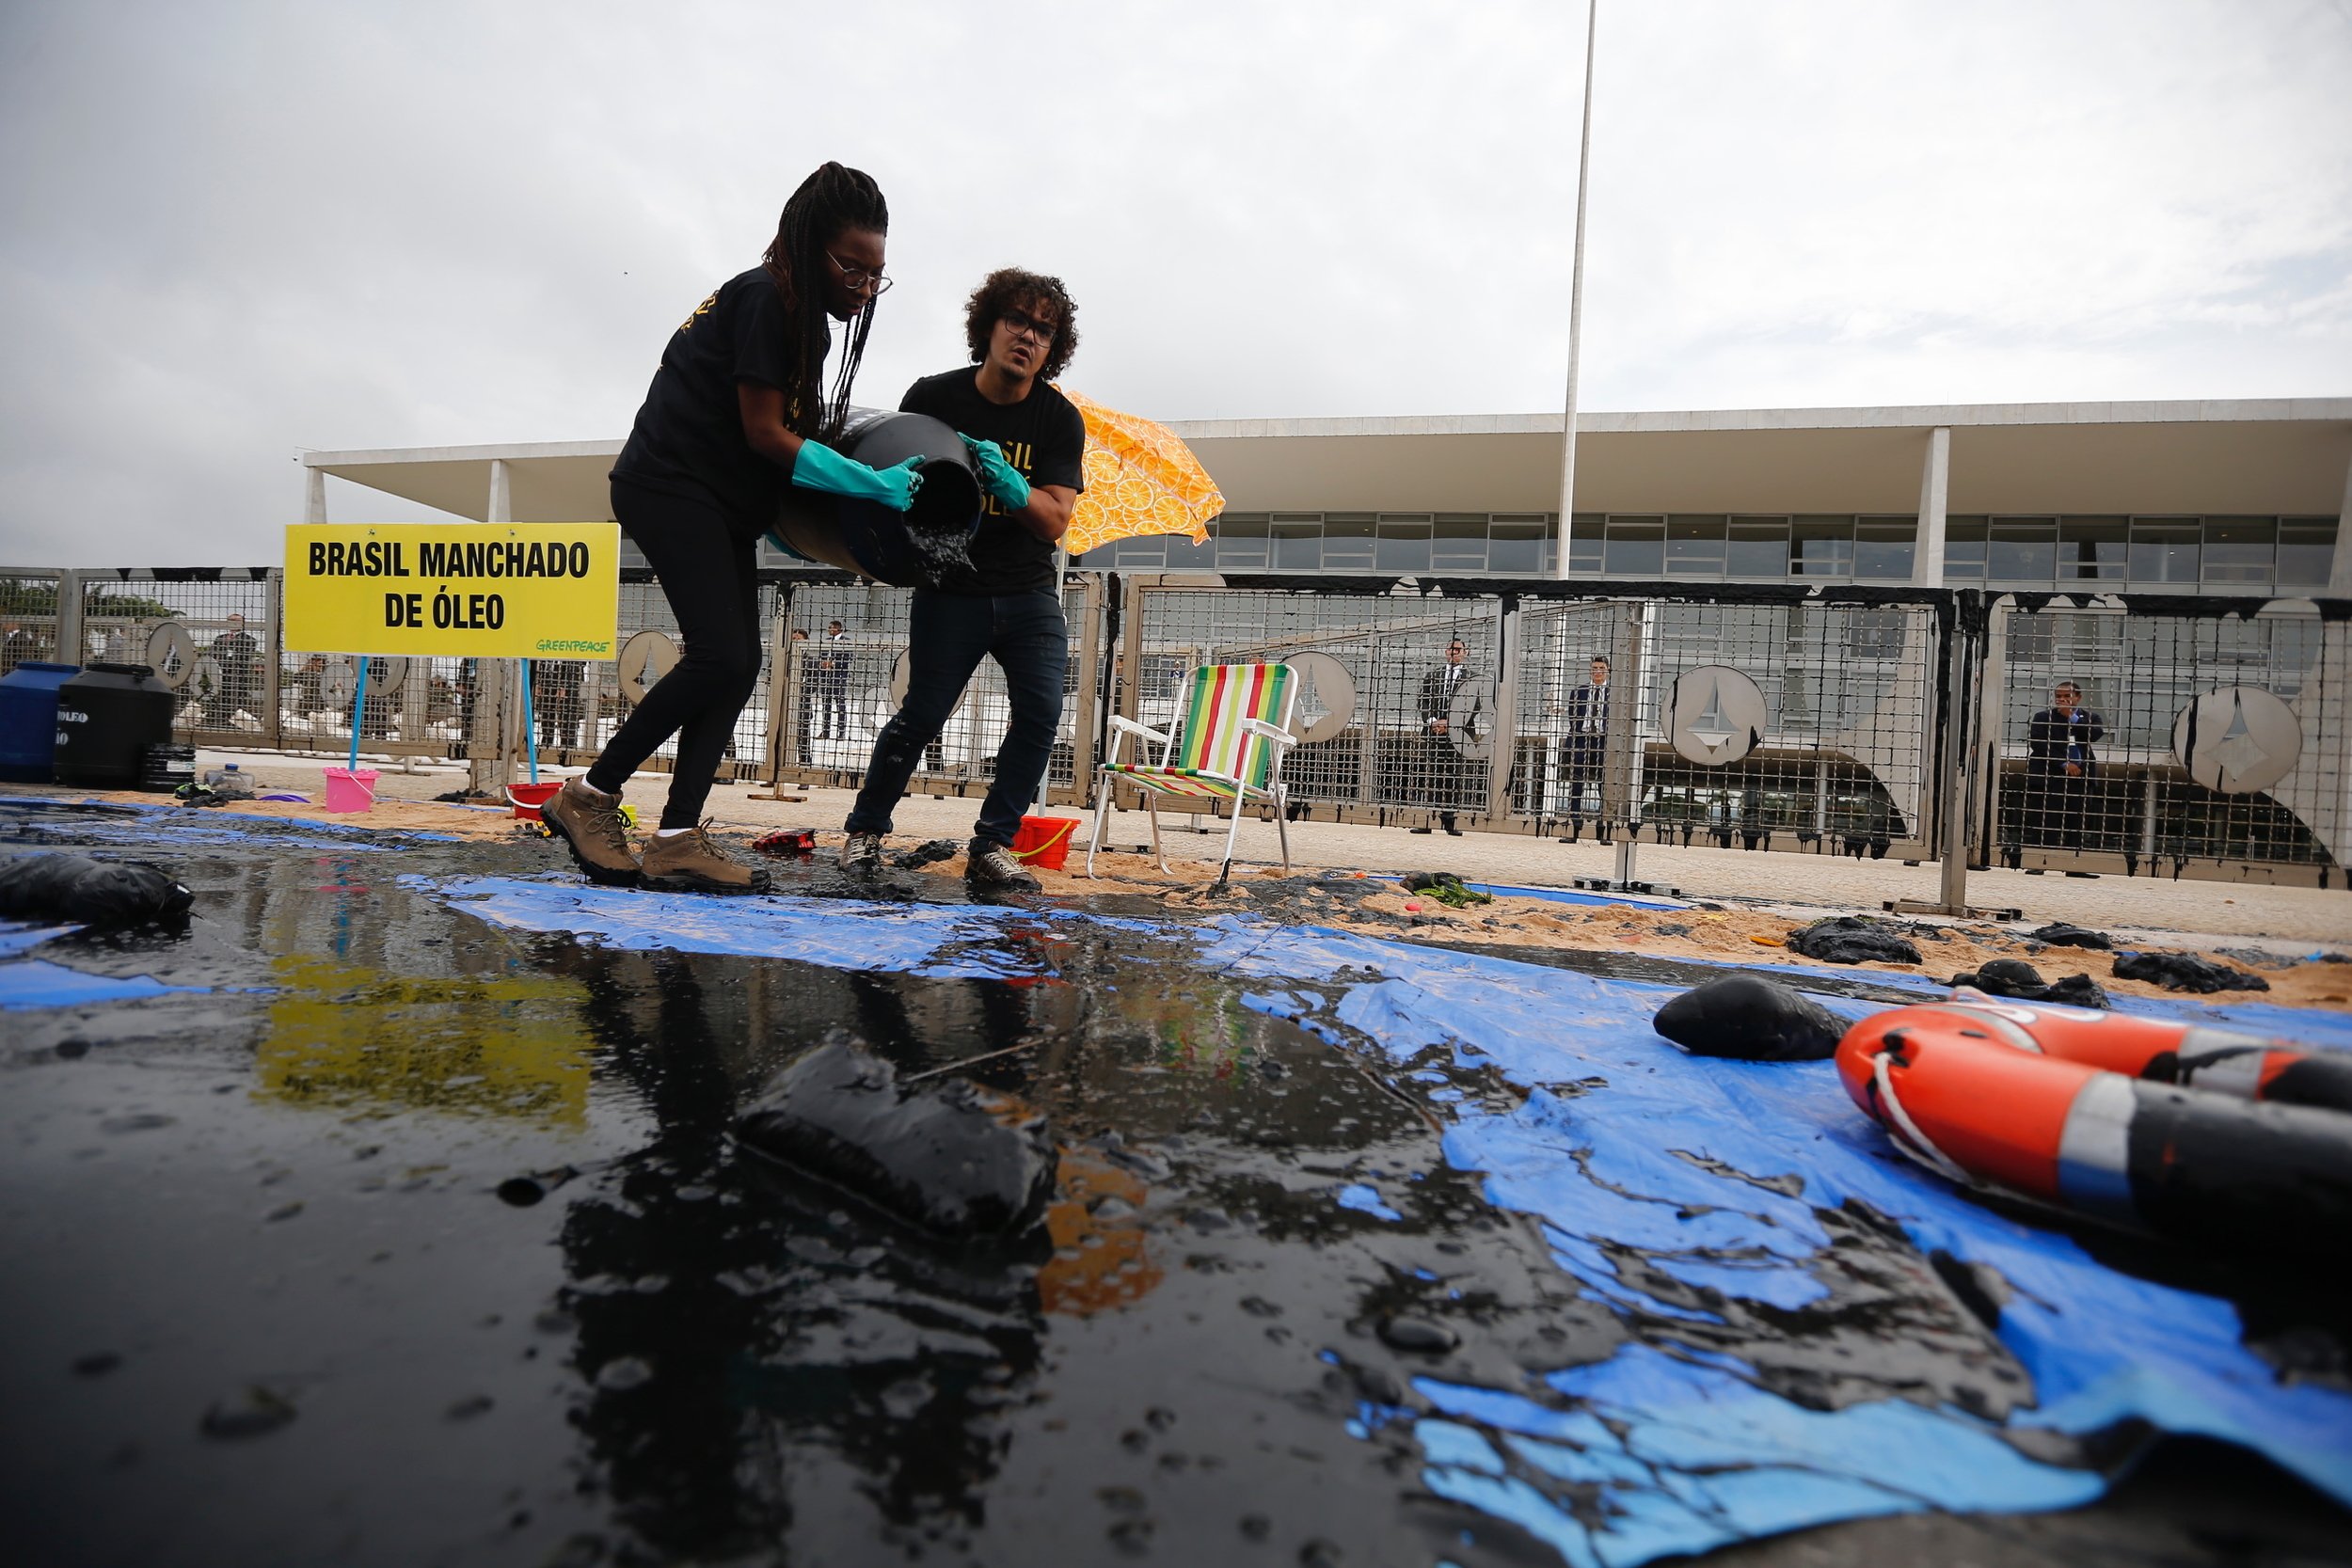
(1576, 300)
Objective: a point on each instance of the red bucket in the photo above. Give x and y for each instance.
(529, 797)
(1044, 840)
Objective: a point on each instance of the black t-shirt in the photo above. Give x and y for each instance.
(689, 437)
(1043, 435)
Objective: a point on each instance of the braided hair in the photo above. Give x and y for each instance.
(829, 202)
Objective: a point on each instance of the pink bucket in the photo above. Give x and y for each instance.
(350, 790)
(529, 797)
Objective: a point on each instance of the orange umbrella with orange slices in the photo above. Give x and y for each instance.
(1141, 480)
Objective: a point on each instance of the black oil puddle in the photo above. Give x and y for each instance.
(416, 1239)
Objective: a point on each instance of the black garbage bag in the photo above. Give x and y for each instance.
(1750, 1018)
(2014, 977)
(1846, 938)
(92, 892)
(2061, 934)
(2185, 971)
(939, 1155)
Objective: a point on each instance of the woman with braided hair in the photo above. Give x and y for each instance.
(737, 410)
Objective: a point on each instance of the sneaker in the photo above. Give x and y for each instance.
(591, 826)
(992, 869)
(861, 854)
(689, 862)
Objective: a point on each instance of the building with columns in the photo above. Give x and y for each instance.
(2241, 497)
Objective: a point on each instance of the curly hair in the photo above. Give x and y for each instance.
(1008, 287)
(829, 202)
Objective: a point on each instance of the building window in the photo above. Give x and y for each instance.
(2307, 549)
(1694, 547)
(2239, 550)
(1457, 542)
(1241, 543)
(1298, 541)
(1820, 547)
(1758, 547)
(1348, 540)
(1883, 548)
(1586, 544)
(1964, 549)
(1185, 556)
(2164, 549)
(1402, 543)
(2093, 549)
(2022, 549)
(1636, 547)
(1516, 544)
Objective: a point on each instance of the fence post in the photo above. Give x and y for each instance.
(1085, 723)
(1630, 762)
(1955, 796)
(1506, 717)
(274, 672)
(70, 648)
(780, 685)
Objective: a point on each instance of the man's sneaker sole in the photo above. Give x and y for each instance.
(602, 875)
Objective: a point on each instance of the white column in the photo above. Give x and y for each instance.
(498, 684)
(1576, 303)
(314, 503)
(1935, 483)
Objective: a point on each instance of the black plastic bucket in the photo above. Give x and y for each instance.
(107, 717)
(905, 549)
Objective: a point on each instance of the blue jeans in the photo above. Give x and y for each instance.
(947, 636)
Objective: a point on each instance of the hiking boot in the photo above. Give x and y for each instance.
(992, 869)
(861, 854)
(591, 826)
(689, 862)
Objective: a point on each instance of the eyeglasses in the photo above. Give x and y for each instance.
(1020, 325)
(856, 278)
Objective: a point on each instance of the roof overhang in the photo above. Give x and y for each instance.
(2264, 457)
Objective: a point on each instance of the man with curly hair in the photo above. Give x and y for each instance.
(1027, 442)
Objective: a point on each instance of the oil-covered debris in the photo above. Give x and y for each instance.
(92, 892)
(2018, 979)
(1750, 1018)
(943, 1156)
(2188, 972)
(930, 852)
(2061, 934)
(1848, 939)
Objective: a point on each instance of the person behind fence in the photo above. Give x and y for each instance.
(1027, 443)
(1442, 770)
(555, 686)
(1583, 749)
(739, 410)
(832, 682)
(239, 658)
(16, 646)
(2060, 766)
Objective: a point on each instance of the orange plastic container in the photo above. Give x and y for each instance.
(1044, 840)
(529, 797)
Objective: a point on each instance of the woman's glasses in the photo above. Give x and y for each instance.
(857, 279)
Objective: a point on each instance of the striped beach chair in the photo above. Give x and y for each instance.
(1227, 745)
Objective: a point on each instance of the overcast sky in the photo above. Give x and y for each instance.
(233, 229)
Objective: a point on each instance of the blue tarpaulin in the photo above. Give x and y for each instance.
(1723, 1176)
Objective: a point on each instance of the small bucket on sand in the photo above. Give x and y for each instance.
(529, 797)
(1044, 840)
(350, 790)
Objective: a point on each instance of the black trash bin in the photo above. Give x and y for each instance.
(108, 717)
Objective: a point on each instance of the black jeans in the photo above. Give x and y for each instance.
(947, 636)
(709, 571)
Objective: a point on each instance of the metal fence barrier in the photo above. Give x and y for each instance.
(2215, 738)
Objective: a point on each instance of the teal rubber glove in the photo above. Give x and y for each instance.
(998, 477)
(820, 467)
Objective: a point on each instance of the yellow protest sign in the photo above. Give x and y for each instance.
(459, 590)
